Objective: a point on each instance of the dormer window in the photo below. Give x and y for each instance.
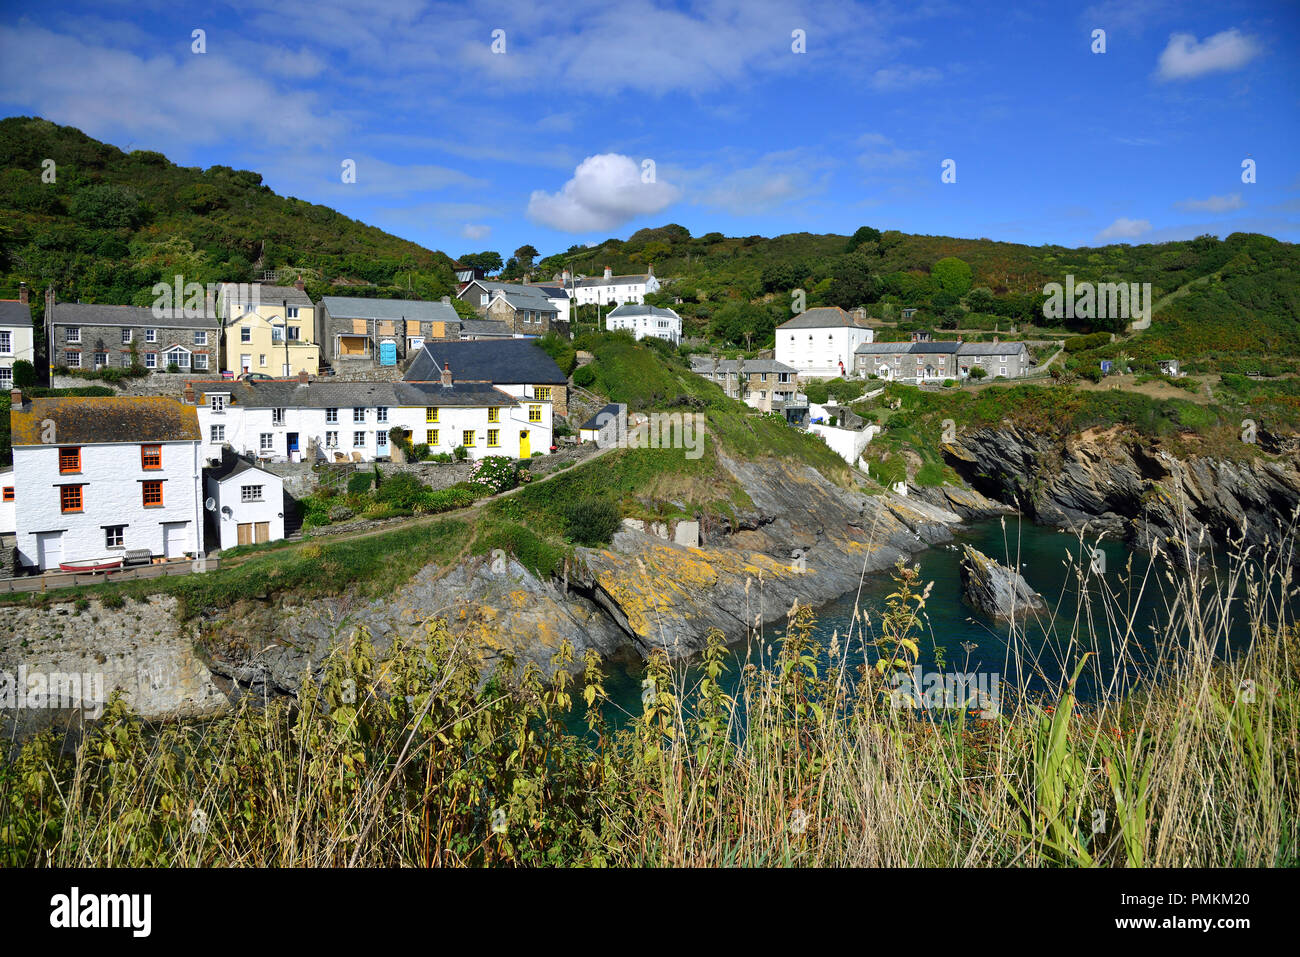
(217, 403)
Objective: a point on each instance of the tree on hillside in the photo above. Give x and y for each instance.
(953, 275)
(852, 284)
(525, 255)
(865, 234)
(488, 261)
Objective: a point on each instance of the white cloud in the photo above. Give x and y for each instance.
(879, 152)
(1186, 58)
(776, 179)
(476, 231)
(165, 102)
(1212, 204)
(606, 191)
(894, 78)
(1124, 228)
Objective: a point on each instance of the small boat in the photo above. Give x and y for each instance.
(92, 565)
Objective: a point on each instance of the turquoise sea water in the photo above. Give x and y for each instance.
(1128, 605)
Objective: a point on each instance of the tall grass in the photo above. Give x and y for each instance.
(416, 758)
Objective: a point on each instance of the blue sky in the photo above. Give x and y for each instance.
(461, 148)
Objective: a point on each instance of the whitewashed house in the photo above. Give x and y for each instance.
(247, 503)
(290, 419)
(644, 321)
(96, 478)
(7, 516)
(17, 339)
(820, 343)
(610, 289)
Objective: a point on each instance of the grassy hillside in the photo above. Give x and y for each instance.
(113, 223)
(1230, 304)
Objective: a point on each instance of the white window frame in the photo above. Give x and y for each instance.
(266, 442)
(251, 493)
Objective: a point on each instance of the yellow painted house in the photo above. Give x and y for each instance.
(269, 329)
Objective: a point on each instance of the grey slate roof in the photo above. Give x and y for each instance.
(15, 313)
(94, 314)
(236, 466)
(885, 348)
(821, 317)
(613, 280)
(594, 422)
(704, 366)
(991, 348)
(506, 361)
(522, 301)
(640, 309)
(322, 394)
(276, 294)
(485, 327)
(356, 307)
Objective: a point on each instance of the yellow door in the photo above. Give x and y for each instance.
(524, 447)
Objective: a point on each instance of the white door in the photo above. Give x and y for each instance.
(246, 362)
(381, 442)
(174, 539)
(49, 549)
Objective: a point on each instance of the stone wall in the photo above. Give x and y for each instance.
(169, 384)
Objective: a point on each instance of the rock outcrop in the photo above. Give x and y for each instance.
(1110, 479)
(995, 590)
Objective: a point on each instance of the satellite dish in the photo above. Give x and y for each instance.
(226, 511)
(210, 504)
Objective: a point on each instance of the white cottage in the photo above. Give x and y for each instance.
(17, 338)
(287, 419)
(247, 503)
(97, 478)
(820, 343)
(642, 321)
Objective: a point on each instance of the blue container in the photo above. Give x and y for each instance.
(388, 353)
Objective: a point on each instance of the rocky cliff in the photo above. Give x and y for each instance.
(1114, 480)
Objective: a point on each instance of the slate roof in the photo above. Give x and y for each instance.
(821, 317)
(640, 309)
(613, 280)
(15, 313)
(505, 361)
(594, 423)
(81, 420)
(991, 348)
(522, 301)
(323, 394)
(704, 366)
(277, 294)
(237, 466)
(95, 314)
(357, 307)
(485, 327)
(884, 347)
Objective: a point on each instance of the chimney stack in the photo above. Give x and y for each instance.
(23, 293)
(609, 273)
(189, 393)
(16, 398)
(302, 376)
(447, 300)
(650, 270)
(565, 276)
(299, 285)
(446, 374)
(995, 340)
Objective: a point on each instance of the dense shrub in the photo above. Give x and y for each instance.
(360, 483)
(584, 376)
(401, 491)
(591, 522)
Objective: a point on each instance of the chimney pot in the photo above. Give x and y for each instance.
(23, 293)
(299, 285)
(302, 375)
(446, 374)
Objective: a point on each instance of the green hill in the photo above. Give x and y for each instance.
(113, 223)
(1230, 304)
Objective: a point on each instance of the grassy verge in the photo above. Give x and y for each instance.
(412, 759)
